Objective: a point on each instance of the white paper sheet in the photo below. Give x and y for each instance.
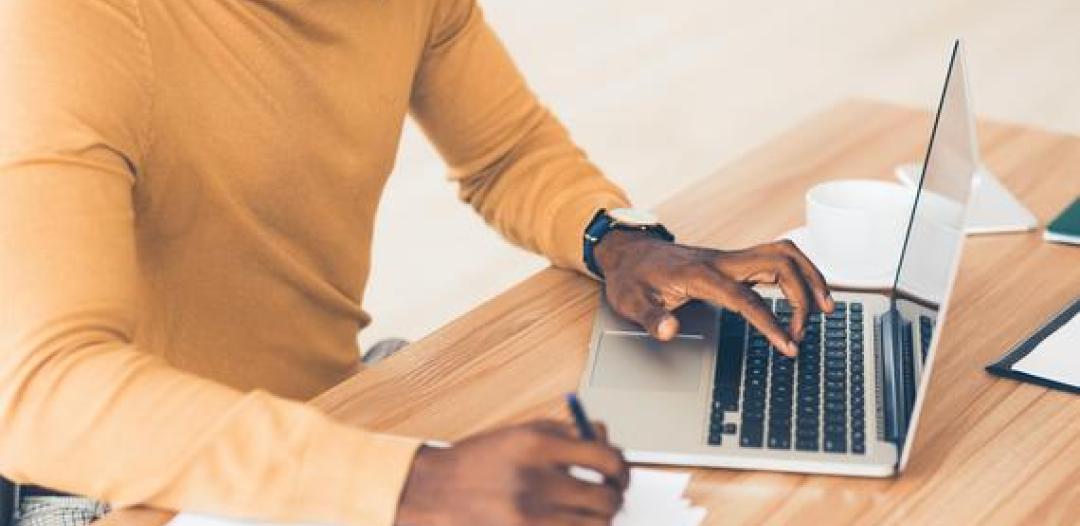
(1057, 357)
(654, 498)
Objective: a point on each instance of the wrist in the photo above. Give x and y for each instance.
(412, 508)
(610, 250)
(641, 224)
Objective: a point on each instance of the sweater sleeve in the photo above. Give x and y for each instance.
(514, 161)
(83, 409)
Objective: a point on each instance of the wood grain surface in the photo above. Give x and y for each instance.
(988, 451)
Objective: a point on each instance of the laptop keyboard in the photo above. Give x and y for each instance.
(814, 402)
(926, 332)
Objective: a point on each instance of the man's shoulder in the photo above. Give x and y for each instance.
(71, 71)
(43, 26)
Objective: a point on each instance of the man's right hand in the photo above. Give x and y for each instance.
(515, 476)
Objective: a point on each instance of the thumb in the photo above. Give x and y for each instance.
(665, 326)
(661, 324)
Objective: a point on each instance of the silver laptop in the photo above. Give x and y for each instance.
(849, 403)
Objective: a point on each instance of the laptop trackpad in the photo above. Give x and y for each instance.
(638, 362)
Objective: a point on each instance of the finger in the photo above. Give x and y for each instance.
(638, 305)
(712, 286)
(598, 456)
(601, 431)
(555, 428)
(568, 431)
(566, 493)
(816, 280)
(795, 289)
(568, 518)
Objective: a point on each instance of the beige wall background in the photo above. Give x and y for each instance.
(662, 93)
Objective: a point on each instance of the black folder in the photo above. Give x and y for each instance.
(1004, 366)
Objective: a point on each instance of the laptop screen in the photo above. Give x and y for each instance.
(935, 232)
(937, 219)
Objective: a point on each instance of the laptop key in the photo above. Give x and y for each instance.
(835, 429)
(779, 442)
(806, 444)
(835, 444)
(750, 435)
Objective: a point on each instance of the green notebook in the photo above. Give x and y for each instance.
(1065, 228)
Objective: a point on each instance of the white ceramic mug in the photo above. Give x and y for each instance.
(858, 225)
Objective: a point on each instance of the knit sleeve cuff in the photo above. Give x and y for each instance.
(354, 477)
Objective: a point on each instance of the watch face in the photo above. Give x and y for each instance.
(633, 217)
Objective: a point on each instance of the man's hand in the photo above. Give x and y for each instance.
(515, 476)
(647, 278)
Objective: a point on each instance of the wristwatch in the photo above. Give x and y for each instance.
(631, 219)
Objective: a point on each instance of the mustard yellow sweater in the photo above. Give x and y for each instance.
(187, 194)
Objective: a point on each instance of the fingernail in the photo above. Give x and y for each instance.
(792, 349)
(829, 303)
(667, 328)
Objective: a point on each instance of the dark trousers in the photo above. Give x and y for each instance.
(7, 502)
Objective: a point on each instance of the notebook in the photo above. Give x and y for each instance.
(1050, 357)
(655, 497)
(1065, 228)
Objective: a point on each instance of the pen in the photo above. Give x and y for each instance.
(585, 428)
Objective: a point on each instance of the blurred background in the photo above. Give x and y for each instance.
(661, 94)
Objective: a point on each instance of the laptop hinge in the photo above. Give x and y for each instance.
(897, 396)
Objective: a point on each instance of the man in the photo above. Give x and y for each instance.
(187, 194)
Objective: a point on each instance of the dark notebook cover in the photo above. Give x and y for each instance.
(1065, 227)
(1003, 367)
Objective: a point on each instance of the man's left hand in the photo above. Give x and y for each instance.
(647, 278)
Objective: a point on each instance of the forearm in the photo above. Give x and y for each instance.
(543, 194)
(110, 422)
(516, 164)
(82, 409)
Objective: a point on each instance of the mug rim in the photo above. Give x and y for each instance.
(813, 195)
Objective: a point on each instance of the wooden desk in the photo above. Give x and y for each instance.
(989, 450)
